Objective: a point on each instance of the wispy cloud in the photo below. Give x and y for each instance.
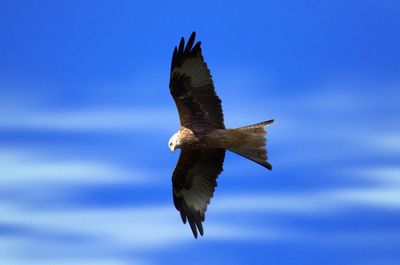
(27, 168)
(388, 142)
(102, 234)
(381, 175)
(150, 227)
(142, 227)
(339, 200)
(305, 128)
(90, 120)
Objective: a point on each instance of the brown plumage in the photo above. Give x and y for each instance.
(202, 137)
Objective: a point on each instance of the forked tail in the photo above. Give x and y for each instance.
(253, 143)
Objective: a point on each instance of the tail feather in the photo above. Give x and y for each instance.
(257, 125)
(253, 145)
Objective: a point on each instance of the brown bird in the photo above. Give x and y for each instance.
(202, 136)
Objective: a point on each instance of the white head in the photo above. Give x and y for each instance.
(174, 142)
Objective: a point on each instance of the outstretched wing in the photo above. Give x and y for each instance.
(194, 181)
(193, 90)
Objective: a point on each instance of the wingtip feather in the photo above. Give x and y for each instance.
(183, 218)
(193, 227)
(190, 42)
(269, 122)
(181, 45)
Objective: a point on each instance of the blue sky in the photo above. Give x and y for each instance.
(85, 117)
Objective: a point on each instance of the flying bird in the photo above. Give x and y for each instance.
(202, 136)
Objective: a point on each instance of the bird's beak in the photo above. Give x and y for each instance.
(172, 149)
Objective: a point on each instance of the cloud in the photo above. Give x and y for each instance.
(141, 227)
(382, 175)
(302, 133)
(103, 234)
(90, 120)
(23, 167)
(146, 228)
(388, 142)
(66, 260)
(318, 202)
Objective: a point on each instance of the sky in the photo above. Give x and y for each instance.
(86, 114)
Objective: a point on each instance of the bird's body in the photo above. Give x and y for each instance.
(192, 140)
(231, 139)
(202, 136)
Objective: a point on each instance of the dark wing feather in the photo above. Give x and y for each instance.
(194, 181)
(193, 90)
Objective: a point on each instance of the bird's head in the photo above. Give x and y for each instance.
(174, 142)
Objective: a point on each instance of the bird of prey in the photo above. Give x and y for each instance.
(202, 136)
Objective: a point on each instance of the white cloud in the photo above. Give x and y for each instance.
(144, 227)
(387, 141)
(17, 260)
(383, 175)
(26, 168)
(159, 226)
(370, 197)
(106, 233)
(95, 119)
(311, 202)
(150, 227)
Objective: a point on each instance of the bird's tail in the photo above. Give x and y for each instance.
(252, 144)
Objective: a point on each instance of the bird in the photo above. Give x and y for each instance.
(202, 136)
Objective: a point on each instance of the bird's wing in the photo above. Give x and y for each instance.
(192, 88)
(194, 181)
